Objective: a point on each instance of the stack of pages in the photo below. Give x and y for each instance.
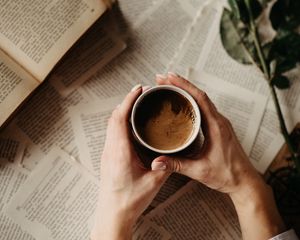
(50, 152)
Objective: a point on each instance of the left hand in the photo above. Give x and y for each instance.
(126, 187)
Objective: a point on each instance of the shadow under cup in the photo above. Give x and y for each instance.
(165, 119)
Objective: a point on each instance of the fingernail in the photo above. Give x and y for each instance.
(173, 74)
(159, 166)
(161, 76)
(118, 106)
(136, 87)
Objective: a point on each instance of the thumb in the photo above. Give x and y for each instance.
(167, 163)
(187, 167)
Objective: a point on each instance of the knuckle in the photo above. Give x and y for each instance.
(185, 81)
(201, 95)
(176, 165)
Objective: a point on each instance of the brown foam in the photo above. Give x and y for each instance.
(165, 119)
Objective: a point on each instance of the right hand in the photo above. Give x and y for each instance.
(222, 163)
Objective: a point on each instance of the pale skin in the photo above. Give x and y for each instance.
(127, 188)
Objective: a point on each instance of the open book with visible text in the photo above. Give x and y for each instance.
(34, 36)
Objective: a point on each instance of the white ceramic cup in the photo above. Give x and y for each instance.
(196, 124)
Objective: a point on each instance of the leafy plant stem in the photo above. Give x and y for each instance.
(284, 130)
(266, 71)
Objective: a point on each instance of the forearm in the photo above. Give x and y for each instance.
(117, 231)
(257, 211)
(113, 226)
(112, 233)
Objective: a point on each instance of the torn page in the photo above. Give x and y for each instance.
(197, 212)
(150, 48)
(242, 107)
(58, 201)
(205, 23)
(44, 122)
(89, 123)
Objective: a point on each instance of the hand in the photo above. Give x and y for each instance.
(223, 165)
(126, 187)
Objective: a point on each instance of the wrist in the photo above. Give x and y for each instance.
(256, 209)
(113, 225)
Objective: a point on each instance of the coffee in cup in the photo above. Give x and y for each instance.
(165, 119)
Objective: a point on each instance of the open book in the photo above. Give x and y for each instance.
(34, 35)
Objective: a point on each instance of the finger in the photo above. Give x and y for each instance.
(162, 79)
(126, 105)
(200, 96)
(145, 88)
(191, 168)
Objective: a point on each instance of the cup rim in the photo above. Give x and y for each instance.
(182, 93)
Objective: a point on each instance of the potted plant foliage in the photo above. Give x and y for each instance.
(242, 40)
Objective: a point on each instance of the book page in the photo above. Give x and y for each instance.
(44, 122)
(15, 85)
(196, 212)
(37, 34)
(146, 229)
(170, 187)
(215, 61)
(193, 45)
(269, 138)
(242, 107)
(89, 122)
(96, 48)
(148, 52)
(59, 199)
(12, 177)
(127, 13)
(11, 150)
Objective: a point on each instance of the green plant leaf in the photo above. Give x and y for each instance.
(240, 12)
(286, 45)
(277, 14)
(256, 8)
(235, 8)
(243, 13)
(231, 36)
(281, 82)
(285, 65)
(285, 14)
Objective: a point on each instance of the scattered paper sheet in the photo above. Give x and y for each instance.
(269, 138)
(59, 199)
(12, 177)
(196, 212)
(193, 45)
(148, 51)
(242, 107)
(97, 47)
(89, 122)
